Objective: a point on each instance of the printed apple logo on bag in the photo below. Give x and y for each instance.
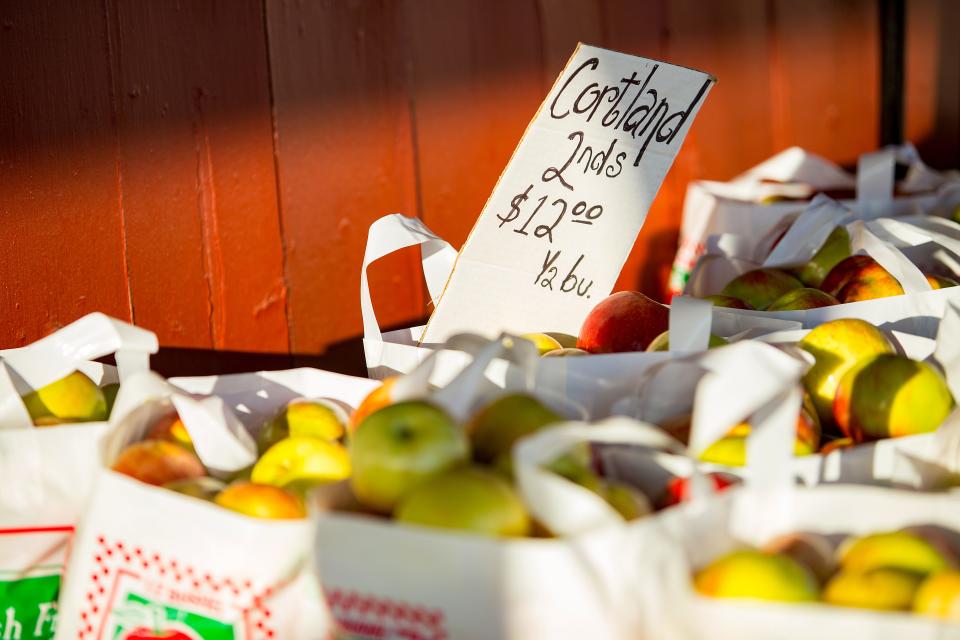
(134, 594)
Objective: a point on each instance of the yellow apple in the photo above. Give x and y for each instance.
(73, 398)
(261, 501)
(756, 575)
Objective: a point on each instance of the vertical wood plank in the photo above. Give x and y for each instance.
(63, 251)
(564, 23)
(640, 28)
(198, 182)
(476, 83)
(826, 76)
(345, 158)
(932, 101)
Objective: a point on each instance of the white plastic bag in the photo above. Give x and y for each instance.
(385, 579)
(735, 208)
(46, 473)
(148, 558)
(902, 246)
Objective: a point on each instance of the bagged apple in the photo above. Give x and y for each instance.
(624, 322)
(878, 408)
(541, 534)
(841, 561)
(743, 212)
(197, 526)
(54, 402)
(831, 264)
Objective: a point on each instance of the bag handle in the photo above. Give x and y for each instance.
(876, 173)
(219, 438)
(390, 234)
(561, 505)
(93, 336)
(947, 350)
(690, 322)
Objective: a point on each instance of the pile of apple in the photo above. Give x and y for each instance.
(298, 449)
(73, 398)
(413, 462)
(832, 276)
(907, 570)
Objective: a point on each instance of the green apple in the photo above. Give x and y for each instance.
(399, 447)
(662, 342)
(803, 298)
(468, 498)
(836, 347)
(495, 428)
(73, 398)
(759, 576)
(836, 248)
(110, 392)
(728, 302)
(888, 396)
(761, 287)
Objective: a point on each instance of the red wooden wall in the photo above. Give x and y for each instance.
(208, 169)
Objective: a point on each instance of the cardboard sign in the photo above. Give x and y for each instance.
(553, 237)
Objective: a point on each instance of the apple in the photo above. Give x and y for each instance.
(888, 396)
(301, 462)
(73, 398)
(731, 450)
(145, 633)
(884, 589)
(542, 342)
(836, 444)
(761, 287)
(678, 488)
(860, 278)
(205, 488)
(624, 321)
(401, 446)
(757, 575)
(941, 282)
(834, 250)
(662, 342)
(626, 500)
(375, 400)
(468, 498)
(939, 596)
(812, 550)
(566, 340)
(261, 501)
(902, 550)
(802, 298)
(495, 428)
(110, 392)
(170, 427)
(728, 302)
(158, 462)
(837, 346)
(306, 418)
(565, 352)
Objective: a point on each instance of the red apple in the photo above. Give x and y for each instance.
(678, 488)
(860, 278)
(624, 321)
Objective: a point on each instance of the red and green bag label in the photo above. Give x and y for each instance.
(28, 603)
(135, 593)
(137, 618)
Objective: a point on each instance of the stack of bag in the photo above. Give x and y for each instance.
(750, 480)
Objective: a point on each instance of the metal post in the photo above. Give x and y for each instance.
(892, 29)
